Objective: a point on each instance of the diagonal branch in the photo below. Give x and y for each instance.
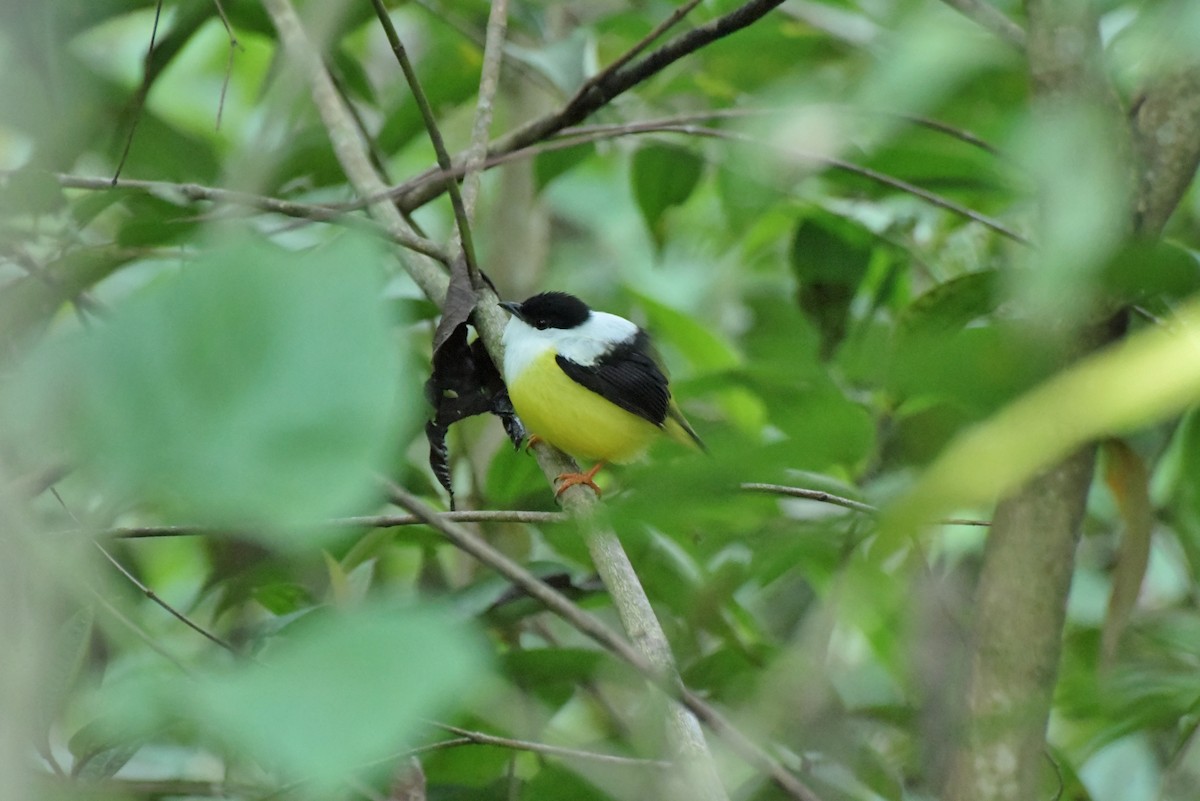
(590, 626)
(435, 135)
(1165, 125)
(348, 145)
(595, 95)
(991, 18)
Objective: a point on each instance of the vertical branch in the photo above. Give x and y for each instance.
(435, 135)
(1029, 558)
(348, 146)
(489, 82)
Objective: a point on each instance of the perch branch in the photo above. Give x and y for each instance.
(590, 626)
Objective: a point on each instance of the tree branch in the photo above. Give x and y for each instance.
(1030, 552)
(435, 136)
(402, 236)
(1166, 131)
(611, 83)
(846, 503)
(348, 145)
(991, 18)
(588, 625)
(365, 521)
(545, 749)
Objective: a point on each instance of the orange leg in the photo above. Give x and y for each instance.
(569, 480)
(534, 439)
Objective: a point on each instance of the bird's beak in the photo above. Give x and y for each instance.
(512, 308)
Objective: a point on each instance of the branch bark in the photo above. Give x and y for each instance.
(1029, 556)
(699, 777)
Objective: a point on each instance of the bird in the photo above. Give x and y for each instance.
(589, 383)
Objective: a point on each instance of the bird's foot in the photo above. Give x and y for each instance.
(567, 480)
(534, 439)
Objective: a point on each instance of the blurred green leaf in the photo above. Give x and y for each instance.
(1151, 374)
(830, 257)
(347, 690)
(698, 343)
(253, 385)
(663, 176)
(951, 305)
(30, 191)
(550, 164)
(154, 221)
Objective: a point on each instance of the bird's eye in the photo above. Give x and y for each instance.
(541, 325)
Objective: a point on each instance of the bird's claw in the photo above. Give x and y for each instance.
(567, 480)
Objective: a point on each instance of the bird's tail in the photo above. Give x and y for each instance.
(680, 430)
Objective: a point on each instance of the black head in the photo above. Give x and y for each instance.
(551, 310)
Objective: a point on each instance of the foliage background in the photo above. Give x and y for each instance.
(825, 220)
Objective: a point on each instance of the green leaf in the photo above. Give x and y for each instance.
(830, 257)
(101, 748)
(550, 164)
(663, 176)
(698, 343)
(256, 385)
(30, 191)
(68, 654)
(344, 691)
(951, 305)
(154, 221)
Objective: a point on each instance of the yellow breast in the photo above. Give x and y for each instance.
(575, 419)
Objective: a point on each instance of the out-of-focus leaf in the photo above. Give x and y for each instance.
(1151, 374)
(1127, 477)
(256, 385)
(68, 654)
(1144, 270)
(663, 176)
(154, 221)
(977, 369)
(552, 163)
(342, 692)
(698, 343)
(830, 256)
(951, 305)
(28, 303)
(1082, 214)
(352, 75)
(101, 749)
(349, 588)
(30, 191)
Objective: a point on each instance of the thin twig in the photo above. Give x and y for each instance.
(435, 135)
(306, 211)
(489, 83)
(991, 18)
(545, 749)
(153, 596)
(593, 628)
(234, 46)
(141, 633)
(414, 188)
(846, 503)
(348, 145)
(638, 48)
(363, 521)
(611, 85)
(139, 100)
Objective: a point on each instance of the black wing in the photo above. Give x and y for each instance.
(628, 376)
